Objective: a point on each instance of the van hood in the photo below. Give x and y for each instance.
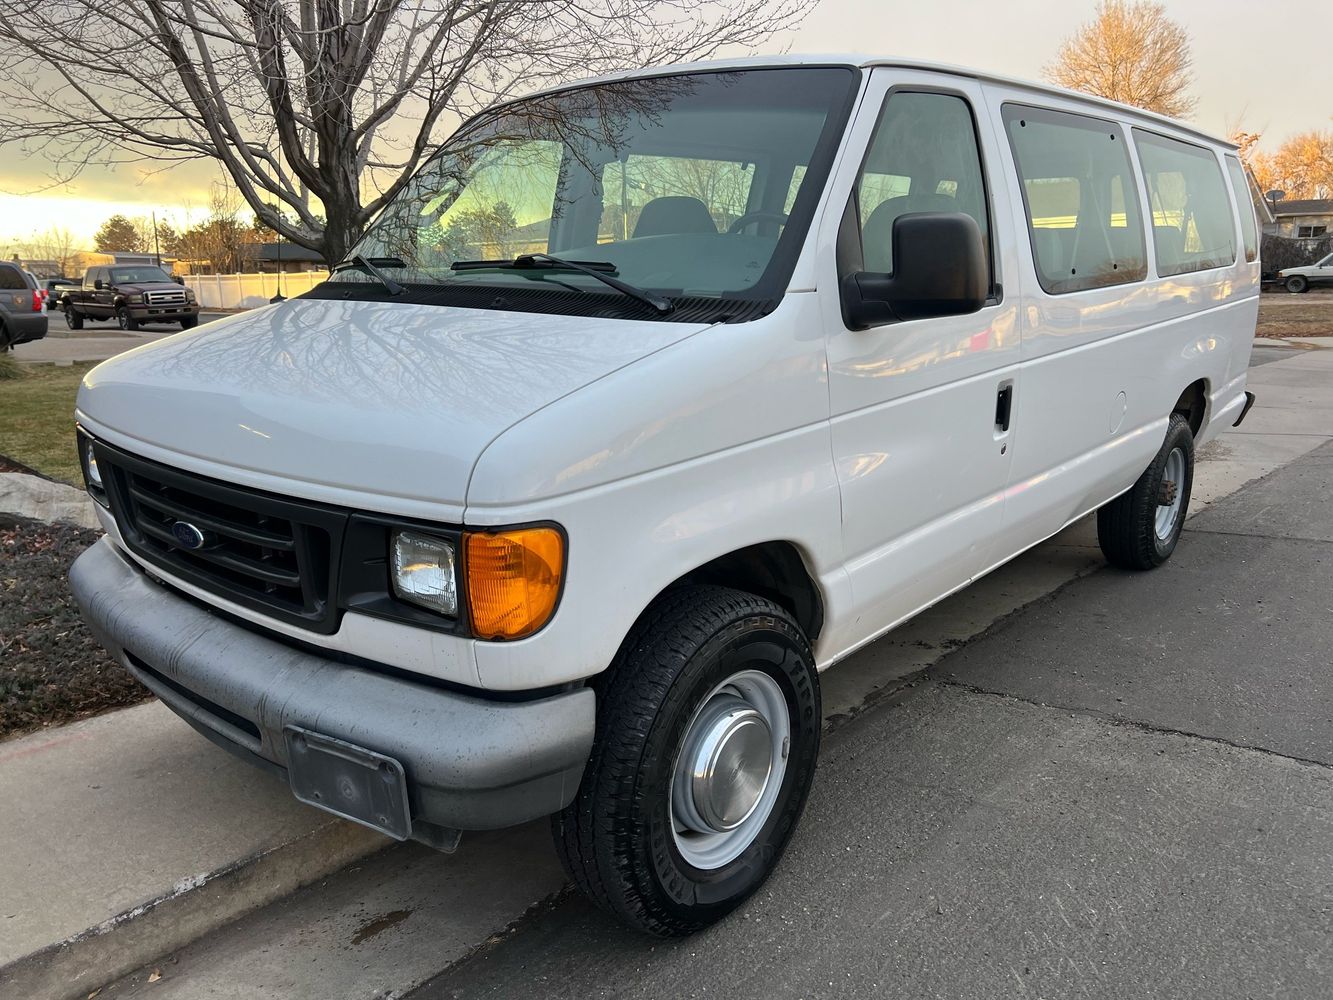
(349, 400)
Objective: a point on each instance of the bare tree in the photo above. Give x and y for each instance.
(1129, 52)
(319, 111)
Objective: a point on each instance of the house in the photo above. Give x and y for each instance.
(285, 257)
(1300, 218)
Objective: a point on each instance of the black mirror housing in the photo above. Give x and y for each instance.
(97, 284)
(178, 279)
(940, 269)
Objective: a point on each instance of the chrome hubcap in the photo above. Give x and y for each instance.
(1169, 500)
(729, 769)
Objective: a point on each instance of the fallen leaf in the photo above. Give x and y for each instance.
(155, 975)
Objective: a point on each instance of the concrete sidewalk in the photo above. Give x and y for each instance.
(134, 835)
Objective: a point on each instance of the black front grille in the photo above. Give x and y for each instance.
(269, 553)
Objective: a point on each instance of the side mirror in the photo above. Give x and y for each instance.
(940, 269)
(97, 284)
(178, 279)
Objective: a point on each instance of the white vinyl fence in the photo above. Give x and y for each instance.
(247, 291)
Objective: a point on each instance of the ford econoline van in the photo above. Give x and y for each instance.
(645, 401)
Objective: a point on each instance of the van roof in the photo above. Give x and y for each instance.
(865, 62)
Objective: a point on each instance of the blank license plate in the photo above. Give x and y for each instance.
(349, 781)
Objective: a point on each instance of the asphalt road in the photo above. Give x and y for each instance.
(1125, 789)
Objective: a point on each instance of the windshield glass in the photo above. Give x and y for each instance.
(128, 275)
(696, 185)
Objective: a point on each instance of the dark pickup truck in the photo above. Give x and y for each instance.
(130, 294)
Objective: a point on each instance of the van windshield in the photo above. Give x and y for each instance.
(693, 186)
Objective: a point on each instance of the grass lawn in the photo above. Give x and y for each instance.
(1284, 315)
(37, 426)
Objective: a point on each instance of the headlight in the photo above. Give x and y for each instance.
(189, 295)
(423, 571)
(135, 299)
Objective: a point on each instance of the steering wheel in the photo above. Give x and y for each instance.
(750, 217)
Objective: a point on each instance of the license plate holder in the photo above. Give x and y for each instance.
(349, 781)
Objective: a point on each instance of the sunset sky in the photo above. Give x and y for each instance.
(1249, 71)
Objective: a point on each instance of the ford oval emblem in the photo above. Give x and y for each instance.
(187, 535)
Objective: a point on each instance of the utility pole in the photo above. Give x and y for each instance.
(157, 247)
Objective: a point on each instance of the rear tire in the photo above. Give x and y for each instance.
(1136, 530)
(1297, 283)
(694, 666)
(73, 318)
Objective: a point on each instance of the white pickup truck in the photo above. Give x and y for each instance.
(646, 401)
(1302, 279)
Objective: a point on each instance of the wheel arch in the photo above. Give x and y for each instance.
(775, 570)
(1193, 405)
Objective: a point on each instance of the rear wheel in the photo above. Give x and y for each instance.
(125, 320)
(1297, 283)
(707, 735)
(73, 318)
(1139, 529)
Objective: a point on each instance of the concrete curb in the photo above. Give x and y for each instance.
(45, 500)
(196, 906)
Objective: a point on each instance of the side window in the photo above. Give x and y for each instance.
(924, 158)
(1240, 187)
(1192, 226)
(90, 276)
(1081, 200)
(11, 277)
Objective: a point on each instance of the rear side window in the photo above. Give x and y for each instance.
(1081, 201)
(1192, 225)
(11, 277)
(1240, 187)
(924, 158)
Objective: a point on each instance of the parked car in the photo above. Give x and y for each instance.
(22, 318)
(130, 294)
(566, 517)
(37, 283)
(55, 287)
(1302, 279)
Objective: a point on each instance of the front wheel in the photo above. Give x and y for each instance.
(1297, 283)
(189, 322)
(707, 736)
(1140, 528)
(125, 321)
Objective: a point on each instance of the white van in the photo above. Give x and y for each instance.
(647, 400)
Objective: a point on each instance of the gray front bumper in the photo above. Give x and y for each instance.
(471, 763)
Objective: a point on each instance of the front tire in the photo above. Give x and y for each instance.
(1297, 284)
(189, 322)
(125, 320)
(707, 736)
(1140, 528)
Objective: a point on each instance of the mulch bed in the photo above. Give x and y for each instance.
(52, 670)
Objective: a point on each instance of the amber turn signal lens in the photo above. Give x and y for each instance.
(513, 580)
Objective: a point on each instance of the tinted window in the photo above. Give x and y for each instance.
(11, 277)
(91, 276)
(1081, 201)
(1240, 187)
(924, 158)
(125, 275)
(1192, 225)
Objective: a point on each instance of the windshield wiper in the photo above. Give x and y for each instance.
(601, 270)
(367, 264)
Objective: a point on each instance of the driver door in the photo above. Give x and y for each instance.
(921, 430)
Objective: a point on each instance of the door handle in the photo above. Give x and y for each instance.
(1004, 404)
